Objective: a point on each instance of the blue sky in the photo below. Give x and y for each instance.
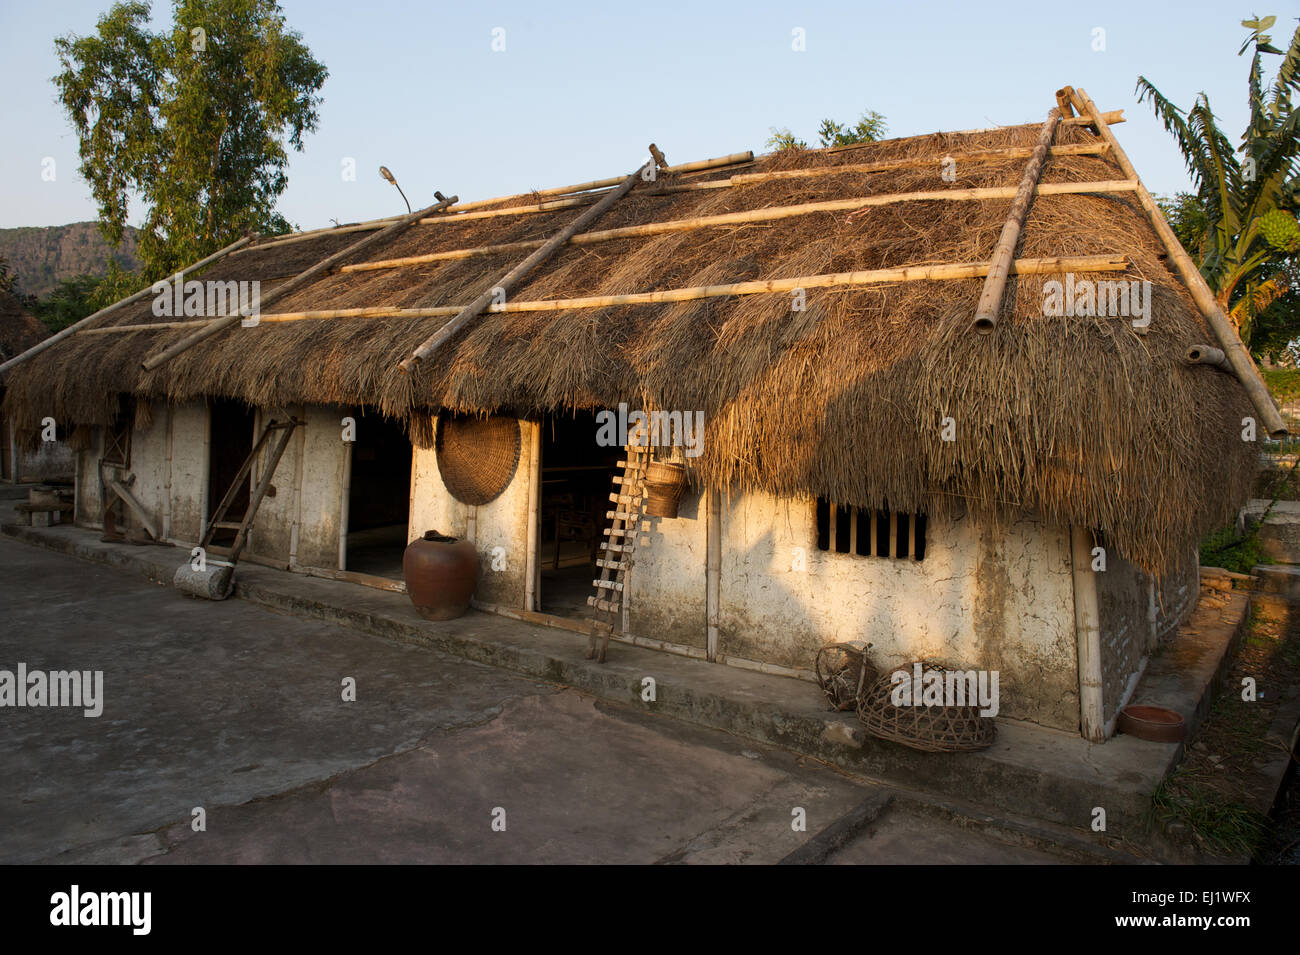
(581, 88)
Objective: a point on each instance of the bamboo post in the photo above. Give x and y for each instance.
(713, 574)
(1242, 364)
(1087, 634)
(1063, 102)
(302, 278)
(508, 281)
(995, 284)
(78, 326)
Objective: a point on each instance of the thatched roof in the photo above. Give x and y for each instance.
(19, 328)
(1076, 419)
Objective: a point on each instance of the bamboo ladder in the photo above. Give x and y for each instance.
(610, 598)
(244, 524)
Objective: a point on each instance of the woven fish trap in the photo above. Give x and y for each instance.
(843, 671)
(477, 456)
(931, 729)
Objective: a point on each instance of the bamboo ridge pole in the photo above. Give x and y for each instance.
(767, 214)
(1242, 364)
(995, 285)
(302, 278)
(907, 273)
(81, 325)
(699, 165)
(508, 281)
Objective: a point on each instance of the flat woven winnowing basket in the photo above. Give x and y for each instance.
(477, 456)
(932, 729)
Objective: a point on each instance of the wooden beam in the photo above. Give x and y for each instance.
(1242, 364)
(135, 506)
(995, 283)
(507, 282)
(909, 273)
(766, 214)
(216, 325)
(79, 326)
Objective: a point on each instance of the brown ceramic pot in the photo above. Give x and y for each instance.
(441, 574)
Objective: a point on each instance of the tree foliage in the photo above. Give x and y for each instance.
(194, 120)
(1245, 231)
(868, 129)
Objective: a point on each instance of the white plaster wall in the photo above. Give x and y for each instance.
(501, 523)
(273, 529)
(666, 585)
(323, 476)
(189, 470)
(984, 597)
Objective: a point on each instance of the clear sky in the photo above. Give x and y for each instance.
(582, 88)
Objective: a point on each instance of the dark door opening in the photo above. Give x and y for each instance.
(230, 442)
(576, 483)
(379, 497)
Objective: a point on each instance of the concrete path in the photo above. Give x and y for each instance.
(239, 711)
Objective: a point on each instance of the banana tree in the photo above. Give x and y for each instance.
(1250, 199)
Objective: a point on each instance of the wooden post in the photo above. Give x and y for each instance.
(508, 281)
(531, 557)
(302, 278)
(1087, 634)
(78, 326)
(995, 284)
(1242, 364)
(713, 574)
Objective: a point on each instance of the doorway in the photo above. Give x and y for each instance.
(576, 478)
(230, 442)
(378, 498)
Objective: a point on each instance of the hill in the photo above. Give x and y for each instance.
(42, 256)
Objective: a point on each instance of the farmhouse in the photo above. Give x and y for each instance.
(900, 445)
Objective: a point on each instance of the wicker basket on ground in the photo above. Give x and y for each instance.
(932, 729)
(843, 671)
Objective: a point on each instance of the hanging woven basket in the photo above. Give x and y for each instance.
(477, 456)
(932, 729)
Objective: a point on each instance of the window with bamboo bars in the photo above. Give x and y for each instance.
(869, 533)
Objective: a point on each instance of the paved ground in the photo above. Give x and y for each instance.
(239, 710)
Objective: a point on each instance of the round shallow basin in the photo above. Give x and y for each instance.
(1153, 723)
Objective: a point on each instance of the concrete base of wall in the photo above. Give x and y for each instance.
(1033, 772)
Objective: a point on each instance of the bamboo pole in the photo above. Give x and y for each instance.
(713, 573)
(909, 273)
(1087, 635)
(1242, 364)
(302, 278)
(79, 326)
(699, 165)
(142, 327)
(767, 214)
(273, 241)
(1207, 355)
(995, 284)
(508, 281)
(1112, 118)
(1063, 102)
(1009, 152)
(533, 538)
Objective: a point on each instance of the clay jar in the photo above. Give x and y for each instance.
(441, 574)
